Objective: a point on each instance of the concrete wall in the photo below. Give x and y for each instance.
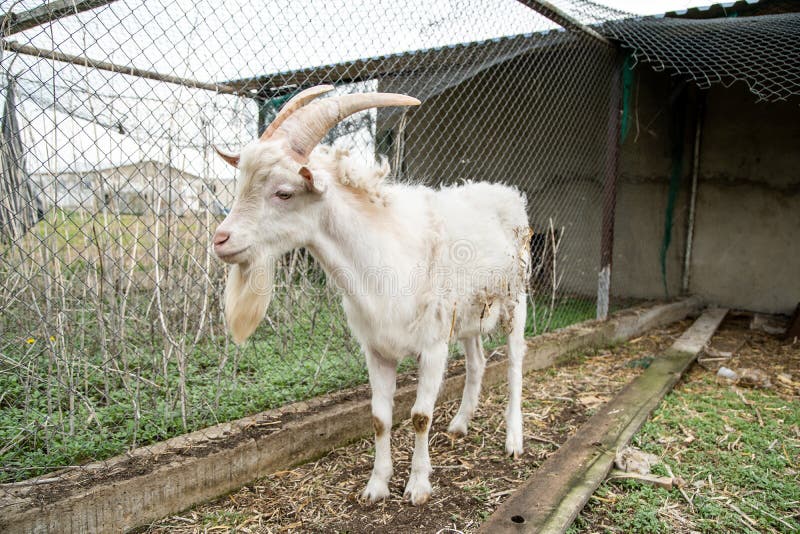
(747, 238)
(646, 161)
(746, 252)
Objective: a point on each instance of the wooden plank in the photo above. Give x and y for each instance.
(124, 495)
(551, 499)
(638, 321)
(11, 23)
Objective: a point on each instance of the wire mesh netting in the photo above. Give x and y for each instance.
(763, 52)
(112, 334)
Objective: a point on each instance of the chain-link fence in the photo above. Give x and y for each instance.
(111, 329)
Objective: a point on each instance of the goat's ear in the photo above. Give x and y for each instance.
(247, 295)
(311, 184)
(230, 159)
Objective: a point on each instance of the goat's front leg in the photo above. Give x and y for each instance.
(382, 381)
(432, 363)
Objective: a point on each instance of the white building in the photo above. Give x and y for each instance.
(135, 188)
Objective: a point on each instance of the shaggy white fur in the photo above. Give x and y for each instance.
(417, 268)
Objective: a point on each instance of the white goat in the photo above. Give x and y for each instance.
(417, 267)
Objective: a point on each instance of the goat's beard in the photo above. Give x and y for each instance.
(247, 295)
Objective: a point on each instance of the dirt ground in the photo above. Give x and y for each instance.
(734, 445)
(471, 475)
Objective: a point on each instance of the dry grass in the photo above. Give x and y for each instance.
(471, 475)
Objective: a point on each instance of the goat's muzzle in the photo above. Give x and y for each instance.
(221, 237)
(224, 250)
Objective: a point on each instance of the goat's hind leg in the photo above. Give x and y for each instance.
(516, 355)
(382, 381)
(475, 363)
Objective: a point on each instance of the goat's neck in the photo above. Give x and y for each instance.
(360, 241)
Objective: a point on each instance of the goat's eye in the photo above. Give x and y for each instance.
(283, 195)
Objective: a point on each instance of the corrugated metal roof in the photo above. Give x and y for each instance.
(401, 63)
(734, 8)
(453, 56)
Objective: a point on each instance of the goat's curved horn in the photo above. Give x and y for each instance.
(230, 158)
(296, 102)
(306, 127)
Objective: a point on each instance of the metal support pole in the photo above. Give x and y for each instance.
(263, 113)
(11, 23)
(546, 9)
(687, 255)
(112, 67)
(609, 198)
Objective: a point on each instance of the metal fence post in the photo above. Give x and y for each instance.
(609, 195)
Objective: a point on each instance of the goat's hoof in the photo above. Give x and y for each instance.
(514, 446)
(418, 490)
(376, 490)
(457, 428)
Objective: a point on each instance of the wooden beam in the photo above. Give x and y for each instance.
(122, 69)
(151, 482)
(11, 23)
(563, 19)
(551, 499)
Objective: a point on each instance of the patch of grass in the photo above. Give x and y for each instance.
(479, 492)
(565, 311)
(734, 466)
(223, 382)
(222, 518)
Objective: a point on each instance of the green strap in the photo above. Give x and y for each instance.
(627, 89)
